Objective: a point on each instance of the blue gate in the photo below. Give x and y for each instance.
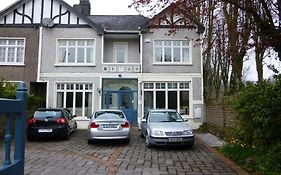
(14, 110)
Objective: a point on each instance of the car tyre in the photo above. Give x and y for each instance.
(141, 134)
(90, 142)
(147, 143)
(67, 134)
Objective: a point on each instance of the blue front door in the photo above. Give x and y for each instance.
(123, 100)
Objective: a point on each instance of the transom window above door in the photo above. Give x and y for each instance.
(172, 51)
(76, 51)
(120, 51)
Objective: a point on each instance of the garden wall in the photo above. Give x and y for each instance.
(219, 113)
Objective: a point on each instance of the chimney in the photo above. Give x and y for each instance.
(84, 7)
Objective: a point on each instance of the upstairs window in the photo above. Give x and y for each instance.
(172, 51)
(120, 52)
(76, 52)
(12, 51)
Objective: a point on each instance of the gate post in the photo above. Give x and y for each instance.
(20, 126)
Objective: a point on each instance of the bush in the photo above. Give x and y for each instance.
(259, 113)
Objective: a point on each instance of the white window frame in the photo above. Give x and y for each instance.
(74, 91)
(16, 46)
(181, 62)
(76, 40)
(152, 87)
(125, 46)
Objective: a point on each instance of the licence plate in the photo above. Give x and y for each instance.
(175, 139)
(45, 130)
(109, 126)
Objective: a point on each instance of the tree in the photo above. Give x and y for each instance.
(267, 16)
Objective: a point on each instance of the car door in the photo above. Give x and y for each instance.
(70, 119)
(144, 123)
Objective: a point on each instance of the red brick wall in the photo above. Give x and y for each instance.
(220, 114)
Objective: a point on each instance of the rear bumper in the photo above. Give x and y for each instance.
(56, 132)
(165, 141)
(114, 134)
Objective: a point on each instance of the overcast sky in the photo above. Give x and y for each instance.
(99, 7)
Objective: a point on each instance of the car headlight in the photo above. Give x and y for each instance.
(188, 132)
(158, 133)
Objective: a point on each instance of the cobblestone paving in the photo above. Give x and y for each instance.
(76, 157)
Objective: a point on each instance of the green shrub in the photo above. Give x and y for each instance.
(259, 113)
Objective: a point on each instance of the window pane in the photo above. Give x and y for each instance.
(184, 102)
(71, 43)
(148, 100)
(20, 55)
(90, 55)
(2, 54)
(71, 55)
(167, 54)
(3, 42)
(185, 43)
(185, 55)
(177, 55)
(172, 99)
(120, 54)
(62, 55)
(158, 54)
(176, 43)
(80, 55)
(60, 100)
(160, 99)
(69, 100)
(78, 103)
(12, 42)
(11, 54)
(167, 43)
(88, 104)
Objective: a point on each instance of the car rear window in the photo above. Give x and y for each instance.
(44, 114)
(102, 113)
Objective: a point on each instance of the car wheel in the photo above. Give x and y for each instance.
(67, 134)
(147, 143)
(141, 134)
(90, 142)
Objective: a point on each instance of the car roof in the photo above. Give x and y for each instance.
(113, 110)
(50, 109)
(162, 110)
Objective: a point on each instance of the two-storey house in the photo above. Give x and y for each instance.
(129, 62)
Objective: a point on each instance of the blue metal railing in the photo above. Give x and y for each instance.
(14, 110)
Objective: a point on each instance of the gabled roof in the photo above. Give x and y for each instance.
(120, 22)
(174, 8)
(18, 3)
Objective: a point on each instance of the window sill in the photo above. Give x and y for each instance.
(75, 65)
(172, 64)
(12, 64)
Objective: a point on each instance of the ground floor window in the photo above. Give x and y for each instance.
(167, 95)
(75, 97)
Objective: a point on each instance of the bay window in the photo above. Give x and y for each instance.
(167, 95)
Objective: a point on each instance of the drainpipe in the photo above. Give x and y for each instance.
(39, 53)
(141, 72)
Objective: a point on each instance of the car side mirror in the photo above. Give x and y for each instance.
(185, 120)
(143, 120)
(74, 116)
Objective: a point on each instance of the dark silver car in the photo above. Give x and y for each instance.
(165, 127)
(108, 124)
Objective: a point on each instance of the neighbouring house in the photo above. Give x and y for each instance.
(127, 62)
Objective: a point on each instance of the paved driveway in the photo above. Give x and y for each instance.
(76, 157)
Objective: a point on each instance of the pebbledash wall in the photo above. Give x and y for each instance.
(219, 114)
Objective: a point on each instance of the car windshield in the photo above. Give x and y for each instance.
(47, 114)
(100, 114)
(164, 116)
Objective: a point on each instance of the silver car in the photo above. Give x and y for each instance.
(108, 124)
(165, 127)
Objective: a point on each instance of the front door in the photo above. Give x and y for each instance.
(123, 100)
